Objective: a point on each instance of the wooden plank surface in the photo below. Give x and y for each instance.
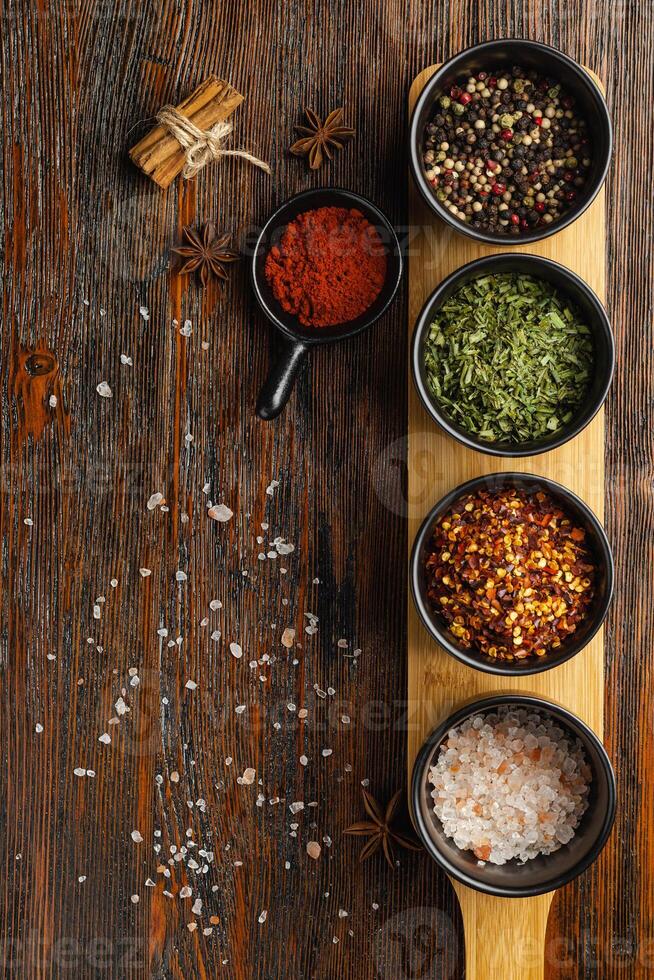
(80, 82)
(437, 683)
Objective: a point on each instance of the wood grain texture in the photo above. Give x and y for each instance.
(80, 82)
(437, 683)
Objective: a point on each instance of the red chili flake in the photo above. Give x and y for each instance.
(509, 573)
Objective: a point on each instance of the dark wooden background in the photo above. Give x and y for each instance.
(80, 224)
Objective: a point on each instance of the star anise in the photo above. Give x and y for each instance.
(380, 829)
(321, 138)
(205, 253)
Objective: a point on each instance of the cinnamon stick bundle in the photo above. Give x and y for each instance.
(159, 155)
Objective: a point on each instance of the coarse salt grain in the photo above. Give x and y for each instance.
(288, 636)
(220, 512)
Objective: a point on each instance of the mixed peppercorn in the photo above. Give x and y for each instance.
(507, 152)
(510, 573)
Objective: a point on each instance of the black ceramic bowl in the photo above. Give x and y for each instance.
(541, 874)
(295, 339)
(578, 292)
(503, 54)
(595, 539)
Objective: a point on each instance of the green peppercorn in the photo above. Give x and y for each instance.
(445, 101)
(458, 109)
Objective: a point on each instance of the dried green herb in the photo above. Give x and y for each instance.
(509, 358)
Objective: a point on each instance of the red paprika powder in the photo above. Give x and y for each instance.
(328, 268)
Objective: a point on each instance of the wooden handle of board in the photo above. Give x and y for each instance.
(505, 937)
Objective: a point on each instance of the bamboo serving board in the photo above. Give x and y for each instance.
(505, 938)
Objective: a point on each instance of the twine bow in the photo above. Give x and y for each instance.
(201, 145)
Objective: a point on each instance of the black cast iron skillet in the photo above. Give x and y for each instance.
(541, 874)
(296, 340)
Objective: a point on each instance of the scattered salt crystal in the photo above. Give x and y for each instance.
(52, 401)
(79, 772)
(144, 572)
(81, 879)
(288, 636)
(185, 891)
(240, 708)
(180, 575)
(270, 489)
(38, 728)
(105, 739)
(191, 685)
(187, 329)
(296, 807)
(154, 500)
(215, 604)
(235, 650)
(136, 837)
(191, 926)
(113, 583)
(124, 359)
(304, 761)
(263, 916)
(248, 776)
(220, 512)
(327, 752)
(135, 899)
(104, 390)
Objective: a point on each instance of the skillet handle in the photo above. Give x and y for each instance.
(278, 385)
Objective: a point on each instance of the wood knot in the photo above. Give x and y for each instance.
(40, 363)
(37, 387)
